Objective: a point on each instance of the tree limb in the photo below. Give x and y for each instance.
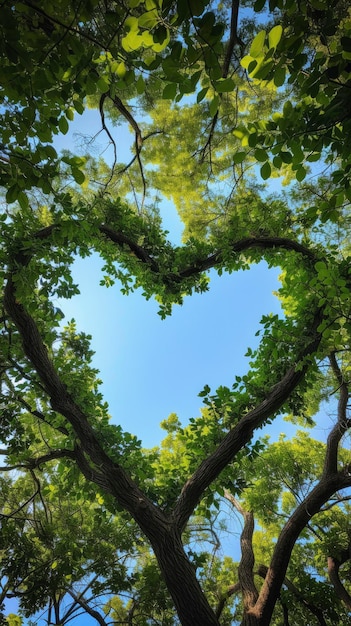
(212, 466)
(247, 560)
(85, 605)
(334, 565)
(315, 610)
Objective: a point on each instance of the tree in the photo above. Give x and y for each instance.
(263, 100)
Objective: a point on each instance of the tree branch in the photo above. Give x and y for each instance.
(33, 463)
(80, 600)
(311, 505)
(334, 565)
(116, 480)
(247, 560)
(315, 610)
(234, 441)
(337, 432)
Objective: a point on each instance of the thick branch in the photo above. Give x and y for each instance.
(122, 240)
(116, 480)
(247, 561)
(232, 589)
(333, 571)
(234, 441)
(85, 605)
(233, 39)
(335, 435)
(312, 504)
(315, 610)
(201, 265)
(265, 243)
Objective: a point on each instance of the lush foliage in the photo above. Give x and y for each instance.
(222, 101)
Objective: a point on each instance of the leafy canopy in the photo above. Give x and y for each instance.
(226, 104)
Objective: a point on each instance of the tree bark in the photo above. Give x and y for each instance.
(180, 577)
(333, 571)
(274, 580)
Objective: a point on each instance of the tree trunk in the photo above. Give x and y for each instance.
(180, 577)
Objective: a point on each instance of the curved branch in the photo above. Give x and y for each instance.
(247, 561)
(85, 605)
(234, 441)
(138, 136)
(337, 432)
(232, 589)
(201, 265)
(116, 480)
(102, 116)
(33, 463)
(233, 40)
(121, 239)
(312, 504)
(315, 610)
(334, 565)
(265, 243)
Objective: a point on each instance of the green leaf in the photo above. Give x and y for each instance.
(346, 43)
(63, 125)
(277, 161)
(239, 157)
(149, 19)
(23, 200)
(12, 193)
(201, 95)
(214, 104)
(285, 156)
(258, 6)
(274, 36)
(120, 69)
(252, 139)
(257, 45)
(224, 85)
(78, 175)
(266, 170)
(260, 154)
(103, 84)
(170, 91)
(300, 174)
(79, 106)
(140, 85)
(279, 76)
(196, 6)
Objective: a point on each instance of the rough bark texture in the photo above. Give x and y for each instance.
(333, 571)
(315, 610)
(247, 561)
(180, 577)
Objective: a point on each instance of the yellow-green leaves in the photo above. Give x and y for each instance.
(260, 61)
(139, 33)
(257, 46)
(274, 36)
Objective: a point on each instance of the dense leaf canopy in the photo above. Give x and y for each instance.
(225, 103)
